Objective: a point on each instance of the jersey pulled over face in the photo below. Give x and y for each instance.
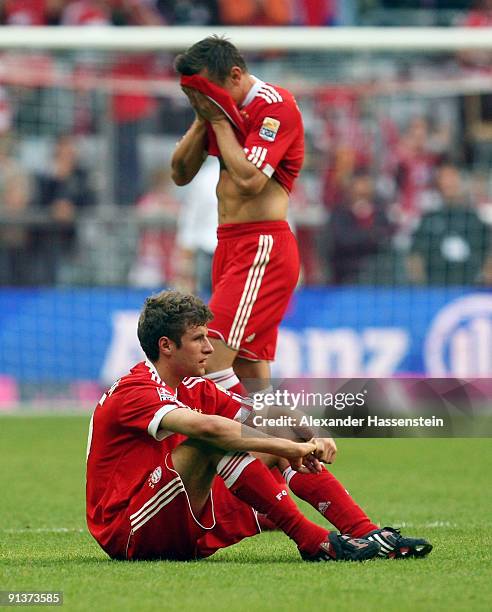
(126, 443)
(275, 138)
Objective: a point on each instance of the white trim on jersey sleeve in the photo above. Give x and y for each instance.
(242, 414)
(153, 427)
(245, 410)
(257, 157)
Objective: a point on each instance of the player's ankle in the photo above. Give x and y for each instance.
(362, 529)
(311, 547)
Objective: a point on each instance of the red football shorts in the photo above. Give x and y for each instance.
(160, 524)
(255, 271)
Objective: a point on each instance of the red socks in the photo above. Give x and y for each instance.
(252, 482)
(325, 493)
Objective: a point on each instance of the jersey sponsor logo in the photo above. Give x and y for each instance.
(269, 129)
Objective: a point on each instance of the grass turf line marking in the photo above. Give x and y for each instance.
(397, 524)
(428, 525)
(45, 530)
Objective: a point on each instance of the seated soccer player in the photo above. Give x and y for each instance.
(170, 474)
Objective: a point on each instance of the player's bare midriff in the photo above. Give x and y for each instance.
(269, 205)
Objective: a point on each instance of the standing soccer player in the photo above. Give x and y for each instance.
(256, 131)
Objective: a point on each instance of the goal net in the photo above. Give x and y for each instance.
(392, 210)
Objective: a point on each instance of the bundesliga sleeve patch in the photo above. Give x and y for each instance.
(269, 129)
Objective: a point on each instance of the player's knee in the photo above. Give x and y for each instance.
(197, 453)
(222, 357)
(207, 430)
(257, 371)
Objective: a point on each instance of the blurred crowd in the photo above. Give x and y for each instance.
(396, 189)
(245, 12)
(169, 12)
(412, 211)
(418, 214)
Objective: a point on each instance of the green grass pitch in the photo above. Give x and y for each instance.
(437, 488)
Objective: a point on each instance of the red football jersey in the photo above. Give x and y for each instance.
(275, 139)
(125, 446)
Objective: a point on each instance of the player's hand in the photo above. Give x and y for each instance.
(326, 449)
(325, 452)
(191, 95)
(311, 465)
(308, 463)
(203, 107)
(296, 453)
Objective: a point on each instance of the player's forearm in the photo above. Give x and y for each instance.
(249, 180)
(298, 431)
(288, 423)
(232, 436)
(189, 154)
(225, 433)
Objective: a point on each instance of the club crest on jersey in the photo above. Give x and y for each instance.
(269, 129)
(155, 477)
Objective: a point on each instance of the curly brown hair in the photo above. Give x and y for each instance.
(169, 313)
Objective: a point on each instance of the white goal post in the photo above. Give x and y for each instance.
(173, 38)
